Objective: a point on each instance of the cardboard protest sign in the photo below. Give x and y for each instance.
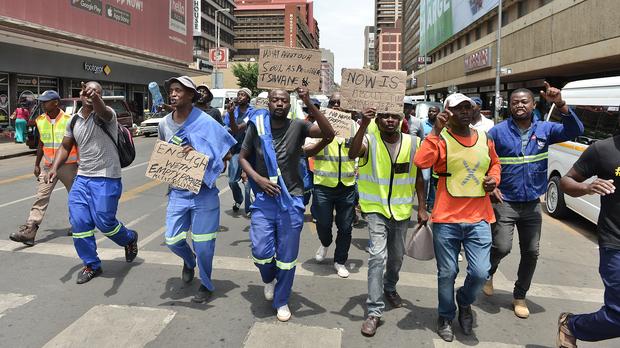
(342, 123)
(363, 88)
(169, 164)
(289, 68)
(262, 103)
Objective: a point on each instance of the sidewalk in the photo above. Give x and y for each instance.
(10, 149)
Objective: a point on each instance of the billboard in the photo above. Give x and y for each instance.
(156, 27)
(442, 19)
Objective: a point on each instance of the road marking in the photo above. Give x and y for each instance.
(136, 191)
(309, 269)
(157, 234)
(62, 188)
(16, 178)
(10, 301)
(438, 343)
(274, 335)
(114, 326)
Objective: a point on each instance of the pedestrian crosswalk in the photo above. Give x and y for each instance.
(11, 301)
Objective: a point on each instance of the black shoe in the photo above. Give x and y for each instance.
(444, 329)
(188, 273)
(87, 273)
(202, 295)
(236, 207)
(131, 249)
(393, 298)
(466, 319)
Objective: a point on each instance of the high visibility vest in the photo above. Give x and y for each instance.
(51, 136)
(384, 187)
(332, 165)
(466, 166)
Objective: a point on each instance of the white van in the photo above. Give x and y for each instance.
(596, 102)
(221, 98)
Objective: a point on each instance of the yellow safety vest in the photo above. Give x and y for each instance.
(387, 188)
(466, 166)
(51, 136)
(333, 165)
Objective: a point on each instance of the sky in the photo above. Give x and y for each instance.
(341, 26)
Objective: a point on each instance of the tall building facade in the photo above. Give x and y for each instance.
(205, 29)
(124, 46)
(327, 71)
(387, 14)
(410, 50)
(551, 40)
(288, 23)
(369, 47)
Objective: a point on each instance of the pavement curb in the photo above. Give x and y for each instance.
(18, 154)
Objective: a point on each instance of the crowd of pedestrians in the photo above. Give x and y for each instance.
(474, 181)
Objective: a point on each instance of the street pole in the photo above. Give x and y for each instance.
(216, 83)
(425, 53)
(498, 64)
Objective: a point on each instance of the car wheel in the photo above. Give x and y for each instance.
(554, 199)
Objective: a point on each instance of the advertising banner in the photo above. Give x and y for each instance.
(441, 19)
(158, 27)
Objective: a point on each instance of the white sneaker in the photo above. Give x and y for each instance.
(320, 254)
(460, 257)
(269, 288)
(284, 314)
(341, 270)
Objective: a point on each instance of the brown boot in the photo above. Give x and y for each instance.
(25, 234)
(565, 337)
(487, 289)
(520, 308)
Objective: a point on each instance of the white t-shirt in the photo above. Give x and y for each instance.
(484, 124)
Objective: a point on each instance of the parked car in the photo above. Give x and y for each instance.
(151, 124)
(596, 102)
(221, 98)
(71, 105)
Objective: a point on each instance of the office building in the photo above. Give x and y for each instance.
(327, 71)
(388, 34)
(369, 47)
(205, 28)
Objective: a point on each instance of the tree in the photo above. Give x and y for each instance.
(247, 76)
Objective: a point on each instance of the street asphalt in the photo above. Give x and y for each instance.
(145, 303)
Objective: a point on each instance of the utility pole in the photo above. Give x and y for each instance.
(425, 53)
(498, 63)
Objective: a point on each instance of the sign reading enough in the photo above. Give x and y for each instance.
(289, 68)
(170, 164)
(383, 90)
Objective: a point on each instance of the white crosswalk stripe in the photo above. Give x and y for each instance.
(114, 326)
(438, 343)
(10, 301)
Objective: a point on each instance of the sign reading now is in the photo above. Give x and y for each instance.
(289, 68)
(383, 90)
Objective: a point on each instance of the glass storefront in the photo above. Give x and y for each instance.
(5, 101)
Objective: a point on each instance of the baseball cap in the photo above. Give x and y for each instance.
(477, 100)
(457, 98)
(48, 95)
(187, 82)
(246, 91)
(202, 85)
(315, 102)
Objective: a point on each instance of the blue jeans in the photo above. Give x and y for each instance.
(447, 239)
(342, 199)
(387, 244)
(605, 323)
(234, 176)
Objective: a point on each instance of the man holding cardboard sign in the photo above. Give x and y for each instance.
(273, 144)
(192, 129)
(382, 90)
(334, 187)
(287, 68)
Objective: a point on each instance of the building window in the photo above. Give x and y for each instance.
(458, 43)
(478, 32)
(505, 18)
(445, 51)
(521, 8)
(467, 39)
(490, 26)
(544, 2)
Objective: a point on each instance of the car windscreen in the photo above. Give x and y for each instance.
(217, 102)
(599, 122)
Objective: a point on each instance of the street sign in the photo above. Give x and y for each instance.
(219, 57)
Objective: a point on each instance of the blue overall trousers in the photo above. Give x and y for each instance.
(276, 222)
(198, 212)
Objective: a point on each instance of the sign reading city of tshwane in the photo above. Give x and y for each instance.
(289, 68)
(383, 90)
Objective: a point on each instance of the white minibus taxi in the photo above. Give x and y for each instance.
(596, 102)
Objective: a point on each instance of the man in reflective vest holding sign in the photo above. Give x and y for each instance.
(387, 180)
(334, 188)
(468, 170)
(51, 128)
(522, 145)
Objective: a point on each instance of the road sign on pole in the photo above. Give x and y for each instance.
(219, 57)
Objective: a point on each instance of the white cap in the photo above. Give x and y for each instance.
(457, 98)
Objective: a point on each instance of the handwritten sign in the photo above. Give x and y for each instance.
(289, 68)
(169, 164)
(363, 88)
(262, 103)
(342, 123)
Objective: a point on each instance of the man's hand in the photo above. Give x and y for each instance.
(496, 196)
(489, 184)
(552, 94)
(230, 108)
(89, 92)
(422, 217)
(50, 176)
(187, 149)
(37, 171)
(368, 114)
(268, 187)
(244, 177)
(442, 120)
(601, 187)
(304, 94)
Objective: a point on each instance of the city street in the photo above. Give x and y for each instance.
(145, 303)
